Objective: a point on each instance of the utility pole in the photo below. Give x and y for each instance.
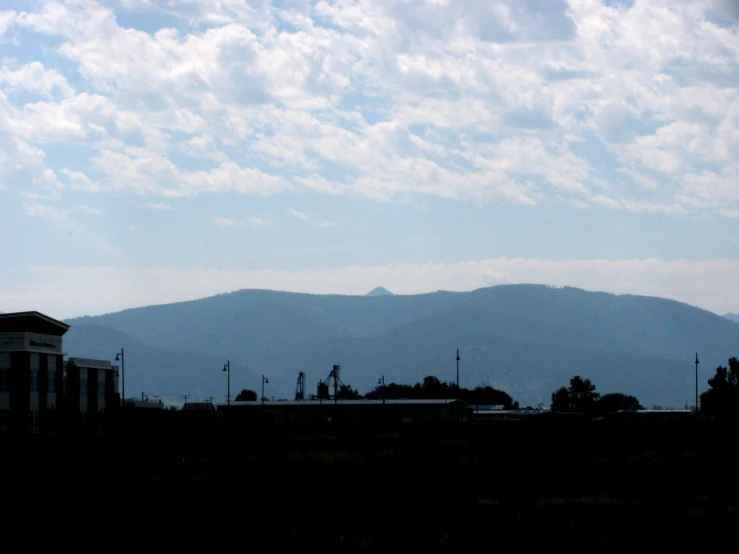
(185, 397)
(696, 382)
(458, 372)
(227, 369)
(381, 382)
(264, 380)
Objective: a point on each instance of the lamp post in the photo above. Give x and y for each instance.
(264, 380)
(458, 358)
(227, 369)
(381, 382)
(121, 357)
(696, 382)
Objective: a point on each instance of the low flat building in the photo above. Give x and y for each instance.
(347, 412)
(650, 415)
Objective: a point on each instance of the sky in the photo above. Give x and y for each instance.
(154, 151)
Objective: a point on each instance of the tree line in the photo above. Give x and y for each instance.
(428, 388)
(721, 400)
(580, 397)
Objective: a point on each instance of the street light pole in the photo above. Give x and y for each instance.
(696, 382)
(121, 356)
(264, 380)
(227, 369)
(458, 372)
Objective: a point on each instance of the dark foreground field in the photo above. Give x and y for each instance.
(666, 487)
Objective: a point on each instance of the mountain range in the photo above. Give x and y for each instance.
(525, 339)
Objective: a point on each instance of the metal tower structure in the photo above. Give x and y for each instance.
(300, 387)
(333, 379)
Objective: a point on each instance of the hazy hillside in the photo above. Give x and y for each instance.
(732, 317)
(157, 371)
(253, 323)
(526, 339)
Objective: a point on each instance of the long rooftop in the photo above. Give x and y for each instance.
(360, 402)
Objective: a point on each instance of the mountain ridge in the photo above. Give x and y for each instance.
(526, 339)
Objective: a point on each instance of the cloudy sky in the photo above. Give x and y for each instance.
(162, 150)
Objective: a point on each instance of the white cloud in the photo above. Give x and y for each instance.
(630, 106)
(45, 211)
(33, 77)
(90, 210)
(257, 221)
(303, 217)
(223, 222)
(161, 206)
(146, 172)
(79, 181)
(652, 207)
(299, 215)
(7, 17)
(69, 292)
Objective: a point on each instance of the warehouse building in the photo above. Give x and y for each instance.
(40, 392)
(344, 412)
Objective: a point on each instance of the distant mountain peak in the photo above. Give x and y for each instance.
(379, 291)
(732, 317)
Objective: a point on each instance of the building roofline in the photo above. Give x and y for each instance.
(45, 317)
(328, 403)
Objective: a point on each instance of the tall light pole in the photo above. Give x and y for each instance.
(264, 380)
(696, 382)
(121, 356)
(227, 369)
(381, 382)
(458, 372)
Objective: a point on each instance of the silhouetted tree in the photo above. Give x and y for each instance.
(246, 395)
(346, 392)
(392, 391)
(432, 388)
(722, 399)
(615, 401)
(580, 397)
(487, 395)
(561, 400)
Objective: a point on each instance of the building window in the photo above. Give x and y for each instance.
(4, 372)
(34, 380)
(101, 384)
(4, 380)
(83, 386)
(51, 369)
